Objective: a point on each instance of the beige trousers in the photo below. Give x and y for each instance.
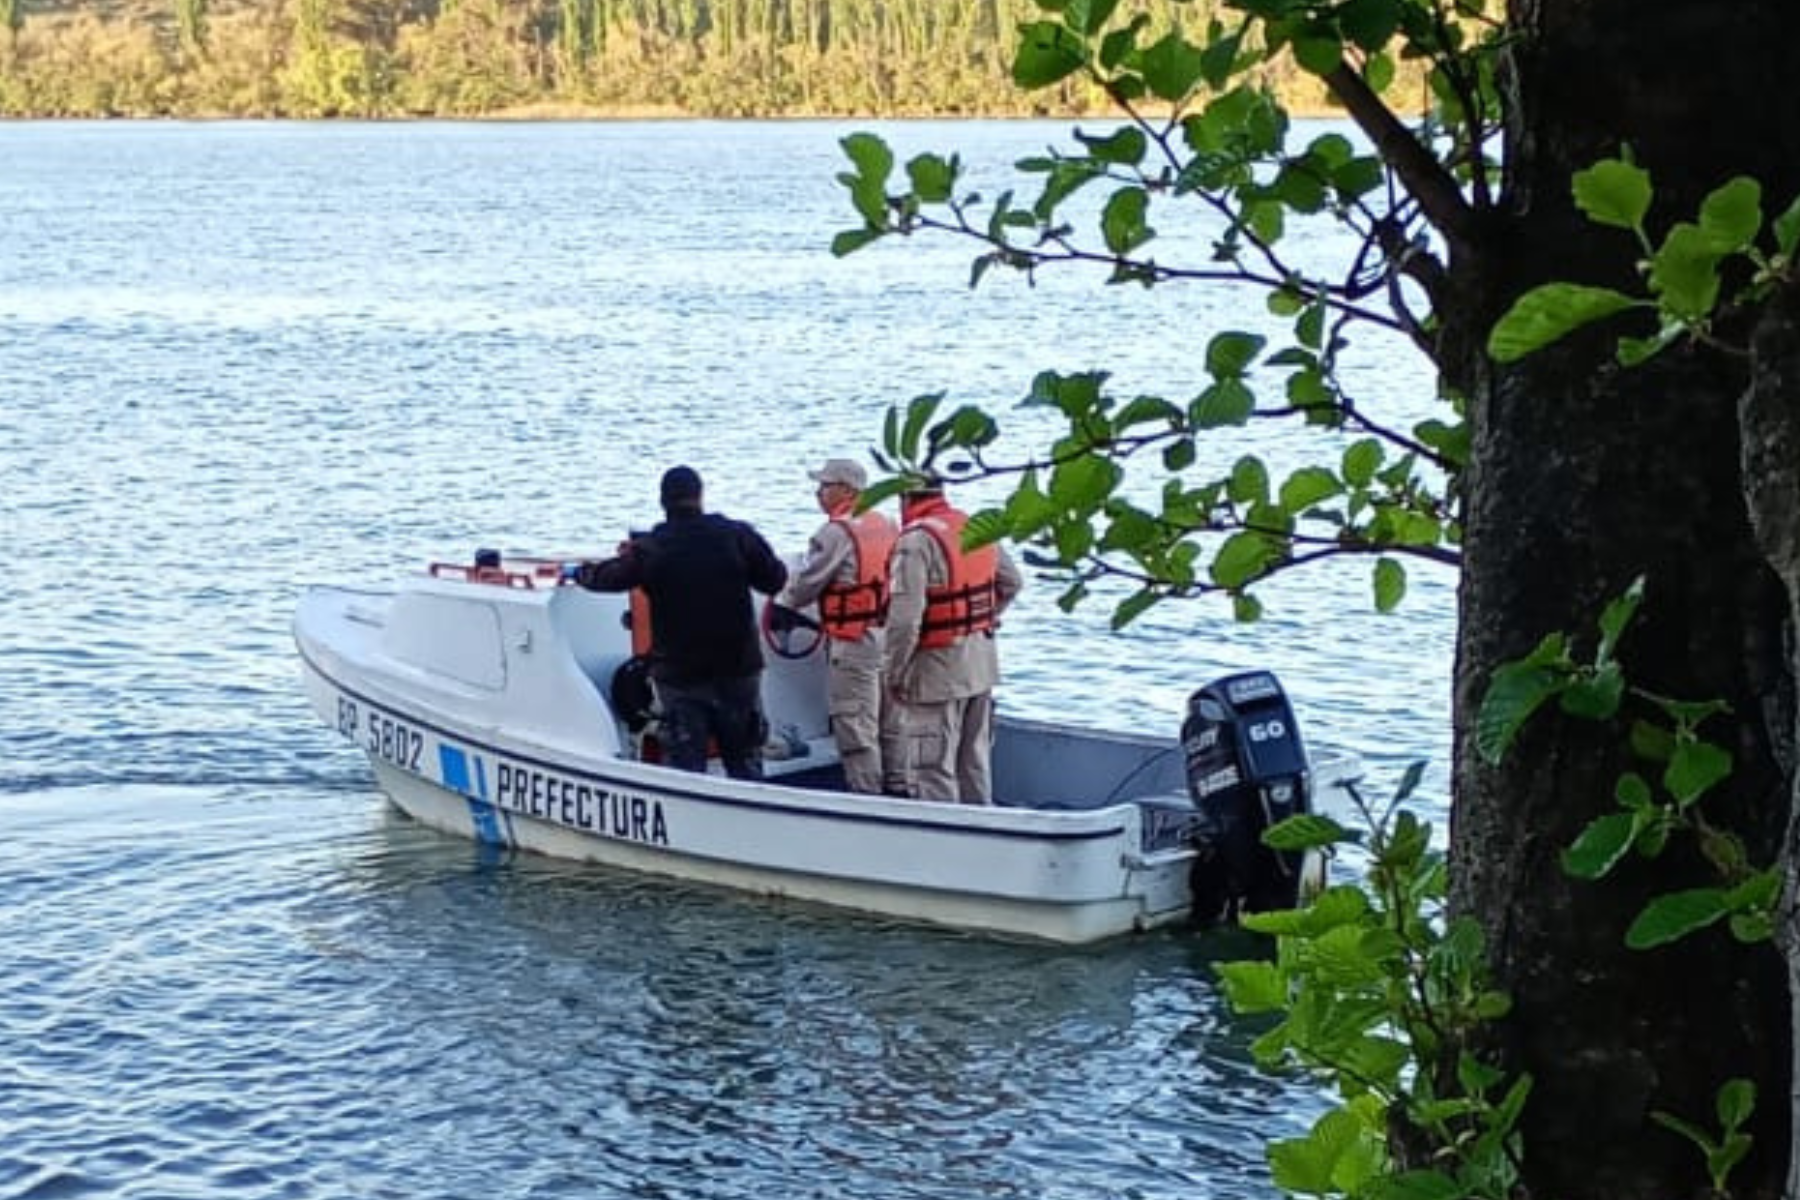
(853, 696)
(949, 748)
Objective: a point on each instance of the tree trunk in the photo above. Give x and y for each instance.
(1770, 419)
(1585, 475)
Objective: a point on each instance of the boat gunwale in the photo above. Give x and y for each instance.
(942, 817)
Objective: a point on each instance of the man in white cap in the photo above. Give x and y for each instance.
(845, 573)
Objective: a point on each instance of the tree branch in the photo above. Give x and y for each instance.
(1425, 178)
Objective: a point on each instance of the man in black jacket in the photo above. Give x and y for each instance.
(705, 655)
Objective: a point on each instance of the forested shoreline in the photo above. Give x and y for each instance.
(383, 59)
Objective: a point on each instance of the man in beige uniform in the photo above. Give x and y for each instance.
(942, 664)
(845, 572)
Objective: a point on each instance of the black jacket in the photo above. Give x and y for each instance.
(697, 569)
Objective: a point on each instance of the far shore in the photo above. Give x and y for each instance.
(550, 111)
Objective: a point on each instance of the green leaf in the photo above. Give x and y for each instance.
(1249, 482)
(1668, 918)
(1549, 312)
(1285, 302)
(1369, 23)
(1601, 845)
(985, 527)
(1088, 17)
(1244, 556)
(933, 178)
(1073, 395)
(869, 154)
(1613, 192)
(1146, 410)
(1080, 484)
(1409, 782)
(1068, 176)
(1172, 67)
(1309, 831)
(1125, 147)
(1218, 58)
(1736, 1102)
(1116, 46)
(1246, 608)
(1130, 527)
(1635, 351)
(1694, 769)
(1310, 1165)
(1731, 216)
(1751, 928)
(1760, 890)
(1361, 460)
(1300, 188)
(1131, 608)
(1451, 441)
(1123, 221)
(918, 414)
(1595, 696)
(1617, 616)
(1416, 1185)
(1633, 792)
(1048, 53)
(1378, 72)
(971, 426)
(868, 186)
(1651, 742)
(1028, 510)
(1309, 389)
(1684, 273)
(1309, 329)
(1358, 177)
(1229, 354)
(1307, 486)
(1319, 53)
(1390, 584)
(851, 240)
(1266, 219)
(1515, 693)
(1074, 539)
(883, 490)
(1254, 987)
(1227, 403)
(1787, 229)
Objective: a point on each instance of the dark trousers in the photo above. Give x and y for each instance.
(728, 711)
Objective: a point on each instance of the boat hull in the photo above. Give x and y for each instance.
(1161, 892)
(520, 749)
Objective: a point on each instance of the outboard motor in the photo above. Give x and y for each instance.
(1246, 771)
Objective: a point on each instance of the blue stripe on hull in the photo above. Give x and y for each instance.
(484, 819)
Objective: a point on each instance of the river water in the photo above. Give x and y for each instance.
(238, 359)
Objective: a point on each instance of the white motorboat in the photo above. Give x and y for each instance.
(497, 702)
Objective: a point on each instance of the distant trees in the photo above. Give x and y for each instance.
(190, 21)
(12, 17)
(381, 58)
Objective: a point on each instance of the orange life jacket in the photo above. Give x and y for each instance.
(969, 602)
(848, 610)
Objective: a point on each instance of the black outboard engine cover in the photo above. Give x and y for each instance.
(1246, 770)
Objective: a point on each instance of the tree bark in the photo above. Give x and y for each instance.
(1769, 416)
(1585, 475)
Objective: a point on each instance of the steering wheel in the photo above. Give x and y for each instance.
(789, 634)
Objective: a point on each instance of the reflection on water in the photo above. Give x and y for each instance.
(226, 991)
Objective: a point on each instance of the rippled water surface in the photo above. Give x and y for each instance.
(237, 359)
